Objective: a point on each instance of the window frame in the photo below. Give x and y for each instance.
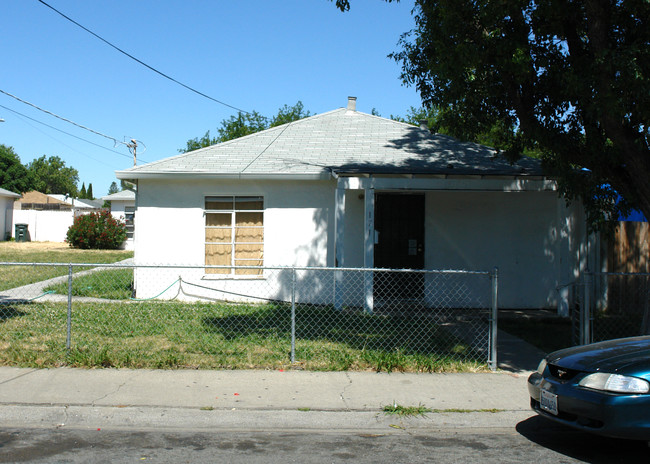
(129, 221)
(233, 243)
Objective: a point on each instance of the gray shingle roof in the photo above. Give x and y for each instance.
(124, 195)
(341, 141)
(8, 193)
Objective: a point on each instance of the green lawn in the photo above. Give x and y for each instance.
(171, 334)
(16, 276)
(110, 284)
(224, 336)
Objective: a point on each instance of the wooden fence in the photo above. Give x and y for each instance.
(627, 278)
(629, 250)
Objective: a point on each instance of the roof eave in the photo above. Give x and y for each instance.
(131, 175)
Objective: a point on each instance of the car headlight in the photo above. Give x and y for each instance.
(615, 383)
(542, 366)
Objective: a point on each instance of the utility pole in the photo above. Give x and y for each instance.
(133, 146)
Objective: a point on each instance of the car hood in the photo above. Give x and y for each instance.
(626, 355)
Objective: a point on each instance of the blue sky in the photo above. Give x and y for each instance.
(252, 54)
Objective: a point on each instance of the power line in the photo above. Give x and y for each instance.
(61, 118)
(33, 126)
(142, 62)
(66, 133)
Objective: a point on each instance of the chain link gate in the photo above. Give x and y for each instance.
(179, 316)
(611, 305)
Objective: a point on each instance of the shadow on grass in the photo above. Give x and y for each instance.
(411, 334)
(9, 311)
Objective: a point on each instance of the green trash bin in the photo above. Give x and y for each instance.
(22, 234)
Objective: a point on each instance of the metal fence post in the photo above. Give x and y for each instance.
(369, 296)
(69, 334)
(492, 362)
(293, 315)
(585, 313)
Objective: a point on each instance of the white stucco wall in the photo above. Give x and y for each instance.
(118, 212)
(534, 240)
(171, 230)
(6, 213)
(44, 226)
(117, 208)
(517, 232)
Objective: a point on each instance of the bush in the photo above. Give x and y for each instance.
(97, 231)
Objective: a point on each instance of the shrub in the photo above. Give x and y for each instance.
(96, 230)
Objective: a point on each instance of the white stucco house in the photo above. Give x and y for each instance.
(352, 190)
(7, 199)
(123, 207)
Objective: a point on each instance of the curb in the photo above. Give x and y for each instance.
(159, 418)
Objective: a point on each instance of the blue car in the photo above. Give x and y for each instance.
(603, 388)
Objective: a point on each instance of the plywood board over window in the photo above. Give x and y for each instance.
(234, 234)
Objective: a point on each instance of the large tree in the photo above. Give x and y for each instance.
(13, 175)
(51, 175)
(246, 123)
(113, 188)
(570, 77)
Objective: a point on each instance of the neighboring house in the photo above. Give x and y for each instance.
(77, 203)
(123, 207)
(41, 202)
(349, 189)
(47, 218)
(7, 199)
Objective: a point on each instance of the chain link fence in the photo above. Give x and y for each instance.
(248, 317)
(609, 306)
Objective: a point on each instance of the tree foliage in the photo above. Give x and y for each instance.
(246, 123)
(14, 176)
(434, 119)
(113, 188)
(288, 114)
(570, 78)
(86, 194)
(344, 5)
(51, 175)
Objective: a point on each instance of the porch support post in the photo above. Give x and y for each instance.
(339, 229)
(369, 248)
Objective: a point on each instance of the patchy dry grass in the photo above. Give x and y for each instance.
(47, 252)
(404, 411)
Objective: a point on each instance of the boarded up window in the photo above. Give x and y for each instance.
(234, 234)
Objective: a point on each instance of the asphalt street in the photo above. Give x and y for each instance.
(120, 415)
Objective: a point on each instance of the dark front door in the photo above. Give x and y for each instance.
(399, 222)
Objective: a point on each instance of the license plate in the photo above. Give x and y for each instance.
(548, 402)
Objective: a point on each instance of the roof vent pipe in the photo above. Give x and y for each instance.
(352, 103)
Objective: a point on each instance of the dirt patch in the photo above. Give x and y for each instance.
(33, 246)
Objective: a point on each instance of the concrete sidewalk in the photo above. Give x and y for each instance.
(256, 400)
(36, 290)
